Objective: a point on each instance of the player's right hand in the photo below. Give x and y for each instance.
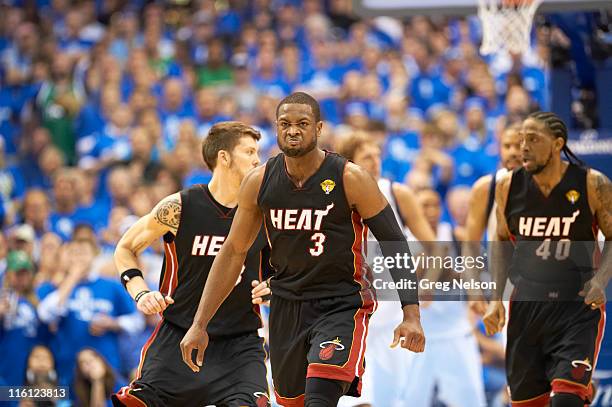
(495, 318)
(153, 302)
(195, 338)
(261, 292)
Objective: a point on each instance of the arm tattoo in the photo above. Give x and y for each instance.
(603, 190)
(169, 213)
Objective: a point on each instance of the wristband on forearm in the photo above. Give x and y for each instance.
(127, 275)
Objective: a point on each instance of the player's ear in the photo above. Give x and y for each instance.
(223, 158)
(319, 127)
(558, 144)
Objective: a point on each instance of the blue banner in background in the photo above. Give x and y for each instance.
(593, 147)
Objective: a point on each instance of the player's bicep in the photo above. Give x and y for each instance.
(362, 192)
(166, 215)
(164, 218)
(602, 189)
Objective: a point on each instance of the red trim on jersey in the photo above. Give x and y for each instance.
(538, 401)
(127, 399)
(361, 271)
(145, 348)
(600, 332)
(124, 393)
(170, 280)
(354, 365)
(289, 401)
(566, 386)
(267, 234)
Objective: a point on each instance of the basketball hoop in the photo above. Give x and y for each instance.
(506, 24)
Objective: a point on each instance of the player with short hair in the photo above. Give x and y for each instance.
(549, 208)
(194, 224)
(316, 208)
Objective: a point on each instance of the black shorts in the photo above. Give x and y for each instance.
(317, 338)
(233, 374)
(552, 346)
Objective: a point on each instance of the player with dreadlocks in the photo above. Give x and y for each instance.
(549, 208)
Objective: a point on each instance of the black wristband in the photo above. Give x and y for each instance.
(127, 275)
(140, 294)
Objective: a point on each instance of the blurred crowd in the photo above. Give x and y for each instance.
(103, 106)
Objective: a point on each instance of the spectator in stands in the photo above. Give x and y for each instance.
(433, 160)
(49, 269)
(174, 108)
(66, 193)
(518, 104)
(216, 71)
(36, 211)
(94, 380)
(50, 161)
(12, 188)
(86, 311)
(20, 328)
(120, 186)
(17, 59)
(95, 115)
(141, 149)
(207, 103)
(34, 143)
(40, 370)
(59, 101)
(243, 91)
(22, 238)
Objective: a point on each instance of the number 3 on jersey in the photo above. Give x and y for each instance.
(318, 239)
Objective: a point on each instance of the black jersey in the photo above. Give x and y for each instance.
(316, 239)
(189, 255)
(554, 236)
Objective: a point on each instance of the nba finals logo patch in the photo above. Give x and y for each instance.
(580, 367)
(327, 186)
(261, 399)
(328, 348)
(572, 195)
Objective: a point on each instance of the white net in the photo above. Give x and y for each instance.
(506, 25)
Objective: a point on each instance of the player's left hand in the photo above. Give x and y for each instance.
(261, 292)
(410, 333)
(195, 338)
(594, 293)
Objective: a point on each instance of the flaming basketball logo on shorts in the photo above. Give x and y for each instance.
(572, 196)
(327, 186)
(329, 347)
(261, 399)
(580, 367)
